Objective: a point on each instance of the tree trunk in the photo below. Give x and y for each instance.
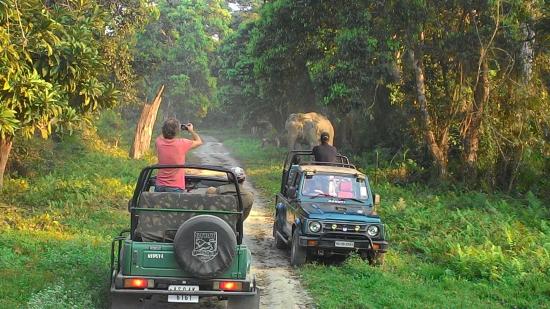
(439, 152)
(5, 148)
(473, 122)
(343, 128)
(144, 127)
(527, 54)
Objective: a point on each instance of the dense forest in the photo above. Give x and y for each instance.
(461, 87)
(457, 90)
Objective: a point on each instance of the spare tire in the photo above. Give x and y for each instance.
(205, 246)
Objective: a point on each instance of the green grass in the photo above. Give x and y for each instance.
(58, 220)
(449, 248)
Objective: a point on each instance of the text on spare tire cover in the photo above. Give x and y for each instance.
(206, 245)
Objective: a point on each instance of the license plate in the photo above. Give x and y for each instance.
(344, 244)
(183, 298)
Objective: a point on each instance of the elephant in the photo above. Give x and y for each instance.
(307, 128)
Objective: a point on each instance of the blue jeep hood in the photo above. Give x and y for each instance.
(332, 211)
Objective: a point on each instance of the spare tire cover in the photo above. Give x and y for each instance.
(205, 246)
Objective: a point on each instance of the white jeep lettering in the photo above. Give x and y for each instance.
(155, 256)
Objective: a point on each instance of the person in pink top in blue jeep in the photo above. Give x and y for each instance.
(172, 150)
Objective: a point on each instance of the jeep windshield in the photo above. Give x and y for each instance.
(342, 187)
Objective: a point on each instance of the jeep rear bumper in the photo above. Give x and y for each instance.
(330, 243)
(154, 299)
(224, 294)
(160, 286)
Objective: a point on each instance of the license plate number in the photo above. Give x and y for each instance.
(183, 298)
(344, 244)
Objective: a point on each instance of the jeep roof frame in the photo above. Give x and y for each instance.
(329, 169)
(143, 183)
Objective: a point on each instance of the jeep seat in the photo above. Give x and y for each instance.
(159, 226)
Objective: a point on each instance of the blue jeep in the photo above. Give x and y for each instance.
(327, 209)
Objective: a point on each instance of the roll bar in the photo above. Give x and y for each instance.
(143, 182)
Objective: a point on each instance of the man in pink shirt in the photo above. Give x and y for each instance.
(172, 150)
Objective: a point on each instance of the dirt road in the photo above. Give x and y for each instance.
(279, 285)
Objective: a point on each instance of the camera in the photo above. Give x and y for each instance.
(184, 127)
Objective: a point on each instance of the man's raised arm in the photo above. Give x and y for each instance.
(197, 141)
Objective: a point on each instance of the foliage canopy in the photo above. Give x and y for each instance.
(462, 87)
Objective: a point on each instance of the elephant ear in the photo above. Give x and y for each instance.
(289, 120)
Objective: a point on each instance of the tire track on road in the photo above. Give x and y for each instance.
(280, 287)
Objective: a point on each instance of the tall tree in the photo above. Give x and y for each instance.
(178, 50)
(444, 78)
(126, 19)
(53, 66)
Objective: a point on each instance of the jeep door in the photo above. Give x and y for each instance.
(287, 218)
(293, 204)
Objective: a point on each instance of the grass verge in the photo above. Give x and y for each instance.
(58, 220)
(449, 248)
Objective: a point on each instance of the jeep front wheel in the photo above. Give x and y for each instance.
(374, 258)
(377, 259)
(298, 254)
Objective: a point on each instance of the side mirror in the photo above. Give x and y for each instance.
(291, 192)
(377, 200)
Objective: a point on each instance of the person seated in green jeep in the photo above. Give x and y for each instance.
(246, 196)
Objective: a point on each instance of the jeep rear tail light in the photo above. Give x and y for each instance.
(138, 283)
(228, 286)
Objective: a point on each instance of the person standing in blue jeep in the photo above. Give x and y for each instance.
(325, 152)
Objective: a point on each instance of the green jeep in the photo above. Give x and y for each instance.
(183, 246)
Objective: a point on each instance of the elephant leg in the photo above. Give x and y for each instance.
(292, 136)
(312, 141)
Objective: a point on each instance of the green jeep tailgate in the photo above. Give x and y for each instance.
(158, 260)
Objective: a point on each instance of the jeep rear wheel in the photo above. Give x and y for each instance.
(241, 302)
(205, 246)
(126, 301)
(298, 254)
(279, 243)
